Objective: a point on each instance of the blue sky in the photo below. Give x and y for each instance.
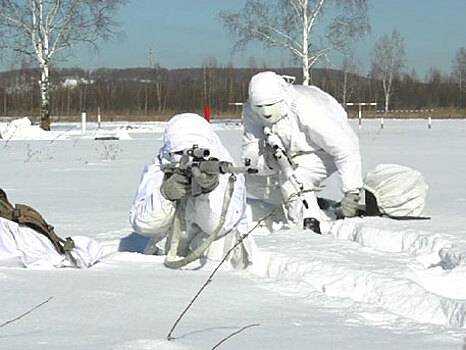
(183, 33)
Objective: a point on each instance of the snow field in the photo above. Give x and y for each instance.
(372, 282)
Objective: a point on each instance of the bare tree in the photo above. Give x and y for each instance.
(459, 72)
(209, 77)
(292, 25)
(44, 28)
(388, 60)
(157, 78)
(349, 69)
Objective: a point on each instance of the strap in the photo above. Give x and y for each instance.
(6, 208)
(177, 226)
(173, 263)
(303, 153)
(3, 196)
(406, 217)
(28, 216)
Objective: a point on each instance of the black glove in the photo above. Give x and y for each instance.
(350, 204)
(208, 182)
(175, 186)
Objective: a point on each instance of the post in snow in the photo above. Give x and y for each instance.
(99, 118)
(207, 112)
(360, 105)
(83, 122)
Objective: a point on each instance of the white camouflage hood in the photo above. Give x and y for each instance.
(188, 129)
(269, 88)
(266, 88)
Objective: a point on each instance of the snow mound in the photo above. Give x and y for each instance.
(114, 134)
(142, 127)
(22, 129)
(384, 269)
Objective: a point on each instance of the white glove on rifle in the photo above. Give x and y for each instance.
(350, 204)
(175, 186)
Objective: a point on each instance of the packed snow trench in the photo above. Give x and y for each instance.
(410, 273)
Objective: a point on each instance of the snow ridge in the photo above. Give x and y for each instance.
(416, 243)
(378, 270)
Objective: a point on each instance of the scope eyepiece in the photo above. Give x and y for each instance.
(198, 152)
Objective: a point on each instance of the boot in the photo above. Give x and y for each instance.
(312, 224)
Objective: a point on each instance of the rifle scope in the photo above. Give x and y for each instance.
(195, 152)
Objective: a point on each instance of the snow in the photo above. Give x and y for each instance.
(22, 129)
(70, 83)
(73, 82)
(370, 283)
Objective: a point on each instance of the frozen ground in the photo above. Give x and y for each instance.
(371, 283)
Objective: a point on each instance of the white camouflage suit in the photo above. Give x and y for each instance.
(152, 215)
(21, 246)
(314, 130)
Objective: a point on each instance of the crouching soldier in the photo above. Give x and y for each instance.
(188, 202)
(298, 136)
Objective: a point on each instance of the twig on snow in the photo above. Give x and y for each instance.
(209, 279)
(26, 313)
(234, 333)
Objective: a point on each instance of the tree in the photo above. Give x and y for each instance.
(209, 77)
(44, 28)
(410, 90)
(157, 76)
(348, 85)
(459, 72)
(388, 61)
(292, 25)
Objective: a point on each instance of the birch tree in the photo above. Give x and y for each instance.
(44, 29)
(308, 29)
(347, 86)
(388, 61)
(459, 72)
(157, 77)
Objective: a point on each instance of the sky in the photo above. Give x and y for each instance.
(184, 33)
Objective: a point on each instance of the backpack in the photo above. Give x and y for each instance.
(395, 191)
(28, 216)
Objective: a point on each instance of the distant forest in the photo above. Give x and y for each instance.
(156, 93)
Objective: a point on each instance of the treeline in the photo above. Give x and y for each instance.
(155, 93)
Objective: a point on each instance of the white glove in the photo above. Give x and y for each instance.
(350, 204)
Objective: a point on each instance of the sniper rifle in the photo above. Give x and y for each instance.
(196, 161)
